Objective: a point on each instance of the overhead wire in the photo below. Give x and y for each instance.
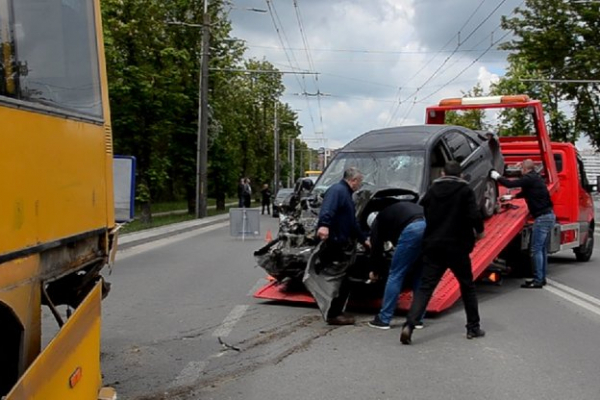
(399, 103)
(275, 18)
(310, 63)
(460, 43)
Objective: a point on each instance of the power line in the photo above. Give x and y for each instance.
(459, 43)
(454, 52)
(275, 18)
(309, 58)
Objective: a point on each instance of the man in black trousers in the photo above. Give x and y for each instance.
(453, 225)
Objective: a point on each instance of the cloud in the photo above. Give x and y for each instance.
(380, 62)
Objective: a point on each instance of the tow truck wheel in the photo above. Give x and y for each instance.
(490, 198)
(584, 252)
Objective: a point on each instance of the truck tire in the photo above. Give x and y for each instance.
(584, 252)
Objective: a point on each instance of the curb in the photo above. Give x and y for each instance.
(133, 239)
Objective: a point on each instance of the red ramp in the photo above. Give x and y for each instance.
(499, 231)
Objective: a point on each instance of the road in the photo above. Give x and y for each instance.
(172, 300)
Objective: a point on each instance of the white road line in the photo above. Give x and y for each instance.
(190, 374)
(574, 296)
(133, 251)
(574, 292)
(261, 282)
(229, 322)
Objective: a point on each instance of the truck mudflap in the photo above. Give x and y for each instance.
(69, 367)
(499, 231)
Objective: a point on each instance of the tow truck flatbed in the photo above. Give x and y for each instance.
(499, 231)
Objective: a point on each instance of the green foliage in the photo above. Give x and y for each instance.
(474, 119)
(557, 40)
(153, 71)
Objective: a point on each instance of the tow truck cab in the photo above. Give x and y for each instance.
(573, 202)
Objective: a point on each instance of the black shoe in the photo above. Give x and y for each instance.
(532, 285)
(531, 281)
(341, 320)
(406, 334)
(379, 324)
(475, 333)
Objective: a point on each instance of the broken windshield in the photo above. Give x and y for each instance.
(397, 169)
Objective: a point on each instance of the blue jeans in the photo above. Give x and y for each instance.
(540, 237)
(407, 251)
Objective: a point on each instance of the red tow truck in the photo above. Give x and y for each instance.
(508, 233)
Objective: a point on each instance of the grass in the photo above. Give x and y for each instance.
(167, 206)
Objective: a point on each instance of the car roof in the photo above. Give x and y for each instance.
(415, 137)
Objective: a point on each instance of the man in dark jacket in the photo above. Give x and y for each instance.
(403, 224)
(453, 221)
(266, 198)
(537, 197)
(338, 229)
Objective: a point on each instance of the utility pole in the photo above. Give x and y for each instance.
(276, 151)
(202, 147)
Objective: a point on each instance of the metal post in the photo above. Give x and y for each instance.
(293, 163)
(276, 150)
(202, 156)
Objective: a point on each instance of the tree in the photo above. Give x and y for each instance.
(473, 119)
(558, 40)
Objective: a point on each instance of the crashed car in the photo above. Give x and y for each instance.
(398, 164)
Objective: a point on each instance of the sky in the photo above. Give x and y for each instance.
(379, 62)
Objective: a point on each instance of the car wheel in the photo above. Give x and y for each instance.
(490, 198)
(584, 252)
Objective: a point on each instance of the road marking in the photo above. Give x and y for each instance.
(190, 374)
(576, 297)
(229, 322)
(261, 282)
(134, 251)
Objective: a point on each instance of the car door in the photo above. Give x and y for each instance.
(470, 156)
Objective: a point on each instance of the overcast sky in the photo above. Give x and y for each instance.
(380, 62)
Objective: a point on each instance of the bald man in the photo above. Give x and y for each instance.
(537, 197)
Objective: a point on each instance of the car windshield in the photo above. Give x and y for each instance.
(283, 193)
(397, 169)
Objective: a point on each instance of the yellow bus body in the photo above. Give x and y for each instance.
(56, 222)
(68, 368)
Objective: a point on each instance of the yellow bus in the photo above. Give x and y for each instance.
(56, 204)
(312, 174)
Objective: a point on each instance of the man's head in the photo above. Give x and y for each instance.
(527, 166)
(353, 177)
(452, 168)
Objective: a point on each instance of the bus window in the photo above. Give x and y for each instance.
(49, 54)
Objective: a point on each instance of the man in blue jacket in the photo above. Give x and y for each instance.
(338, 229)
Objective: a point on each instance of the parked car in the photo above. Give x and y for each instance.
(398, 164)
(278, 200)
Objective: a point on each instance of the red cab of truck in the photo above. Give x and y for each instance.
(573, 202)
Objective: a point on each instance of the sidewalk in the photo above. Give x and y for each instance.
(136, 238)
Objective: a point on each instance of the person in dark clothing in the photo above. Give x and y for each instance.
(453, 221)
(402, 223)
(247, 194)
(537, 197)
(266, 198)
(338, 229)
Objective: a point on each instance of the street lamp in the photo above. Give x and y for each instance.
(202, 135)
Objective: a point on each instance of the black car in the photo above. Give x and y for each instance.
(279, 200)
(398, 164)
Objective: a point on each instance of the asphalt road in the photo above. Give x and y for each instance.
(172, 300)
